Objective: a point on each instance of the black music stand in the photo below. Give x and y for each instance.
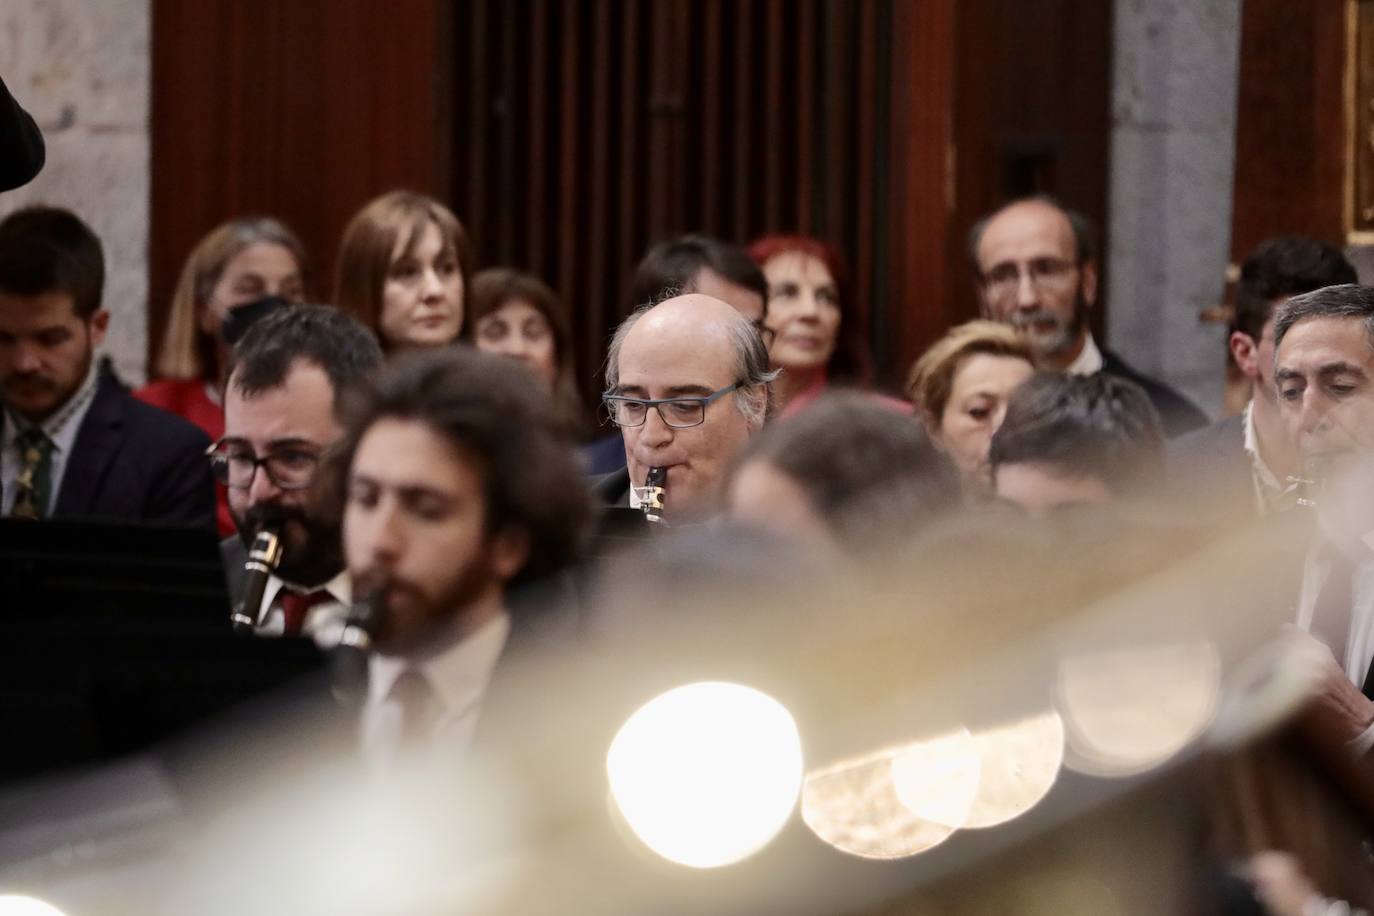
(117, 636)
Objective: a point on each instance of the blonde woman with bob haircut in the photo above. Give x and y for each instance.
(960, 387)
(404, 268)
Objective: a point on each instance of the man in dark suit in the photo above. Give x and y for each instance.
(73, 442)
(285, 378)
(1037, 269)
(1240, 467)
(457, 488)
(21, 143)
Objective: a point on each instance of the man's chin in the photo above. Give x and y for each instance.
(32, 407)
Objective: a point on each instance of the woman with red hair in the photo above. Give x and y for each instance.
(816, 339)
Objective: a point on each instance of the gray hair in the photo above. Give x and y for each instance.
(1349, 300)
(751, 363)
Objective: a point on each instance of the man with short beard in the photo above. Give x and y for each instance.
(1037, 270)
(73, 442)
(457, 487)
(284, 381)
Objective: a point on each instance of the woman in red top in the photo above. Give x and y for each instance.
(239, 262)
(817, 340)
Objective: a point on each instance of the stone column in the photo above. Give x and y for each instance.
(1176, 70)
(82, 69)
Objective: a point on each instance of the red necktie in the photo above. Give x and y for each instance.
(295, 605)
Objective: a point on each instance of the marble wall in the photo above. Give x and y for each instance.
(1172, 171)
(82, 69)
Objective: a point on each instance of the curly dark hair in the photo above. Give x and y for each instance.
(494, 412)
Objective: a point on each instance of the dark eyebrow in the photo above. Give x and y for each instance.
(1282, 375)
(291, 442)
(1340, 367)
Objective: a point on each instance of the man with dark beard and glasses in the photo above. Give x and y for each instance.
(458, 487)
(1037, 270)
(73, 442)
(284, 379)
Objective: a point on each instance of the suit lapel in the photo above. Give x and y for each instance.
(97, 442)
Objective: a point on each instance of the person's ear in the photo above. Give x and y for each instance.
(1245, 352)
(761, 396)
(931, 424)
(508, 552)
(98, 323)
(1088, 270)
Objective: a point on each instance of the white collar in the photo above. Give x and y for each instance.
(1089, 359)
(1262, 470)
(340, 588)
(458, 673)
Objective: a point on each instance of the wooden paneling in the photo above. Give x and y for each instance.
(1033, 103)
(1362, 186)
(1291, 141)
(570, 135)
(732, 118)
(301, 110)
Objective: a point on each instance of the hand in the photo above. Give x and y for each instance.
(1280, 883)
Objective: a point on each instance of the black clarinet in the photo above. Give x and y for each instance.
(349, 657)
(263, 558)
(651, 495)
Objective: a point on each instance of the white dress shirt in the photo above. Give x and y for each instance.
(324, 622)
(1271, 494)
(458, 673)
(1089, 359)
(1359, 646)
(62, 428)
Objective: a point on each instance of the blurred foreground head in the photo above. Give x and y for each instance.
(1070, 440)
(848, 473)
(456, 484)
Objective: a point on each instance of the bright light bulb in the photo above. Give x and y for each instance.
(1129, 710)
(19, 905)
(1021, 762)
(708, 773)
(937, 778)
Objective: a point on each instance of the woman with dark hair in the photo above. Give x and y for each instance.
(404, 267)
(516, 314)
(816, 339)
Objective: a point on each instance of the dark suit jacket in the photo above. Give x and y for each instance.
(1177, 414)
(612, 489)
(21, 143)
(1208, 474)
(132, 462)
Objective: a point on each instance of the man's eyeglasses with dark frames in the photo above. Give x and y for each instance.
(679, 413)
(288, 468)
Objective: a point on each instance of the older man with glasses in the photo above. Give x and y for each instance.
(687, 383)
(284, 381)
(1036, 266)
